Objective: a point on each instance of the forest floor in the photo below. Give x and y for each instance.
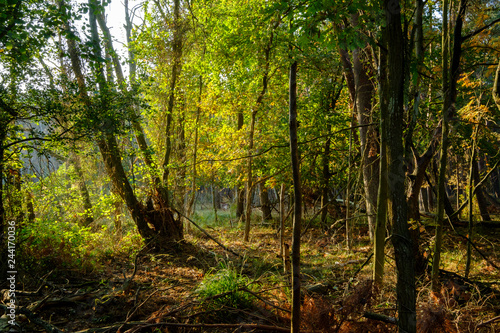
(201, 287)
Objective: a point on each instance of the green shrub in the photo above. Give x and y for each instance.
(224, 288)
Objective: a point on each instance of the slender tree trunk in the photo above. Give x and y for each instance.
(381, 217)
(365, 92)
(191, 205)
(297, 217)
(347, 201)
(136, 125)
(326, 179)
(176, 70)
(240, 189)
(496, 87)
(480, 196)
(471, 197)
(401, 239)
(265, 207)
(260, 98)
(450, 94)
(248, 210)
(282, 220)
(84, 192)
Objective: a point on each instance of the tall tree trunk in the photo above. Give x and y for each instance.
(450, 95)
(136, 125)
(260, 98)
(471, 197)
(326, 179)
(297, 217)
(165, 228)
(248, 210)
(191, 205)
(176, 71)
(401, 239)
(381, 217)
(282, 219)
(365, 92)
(240, 188)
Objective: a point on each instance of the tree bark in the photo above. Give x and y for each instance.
(381, 217)
(496, 87)
(164, 227)
(401, 239)
(265, 206)
(260, 98)
(248, 209)
(84, 192)
(297, 217)
(176, 71)
(282, 219)
(482, 203)
(365, 92)
(471, 197)
(450, 95)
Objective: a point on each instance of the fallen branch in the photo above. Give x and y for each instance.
(129, 315)
(265, 301)
(223, 326)
(208, 235)
(380, 317)
(490, 321)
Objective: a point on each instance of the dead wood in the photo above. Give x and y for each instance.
(380, 317)
(208, 235)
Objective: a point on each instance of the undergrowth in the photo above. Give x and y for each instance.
(52, 244)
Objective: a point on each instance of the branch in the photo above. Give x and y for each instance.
(472, 34)
(207, 234)
(287, 145)
(474, 191)
(380, 317)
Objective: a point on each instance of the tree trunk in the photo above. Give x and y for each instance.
(450, 96)
(297, 217)
(136, 125)
(347, 200)
(240, 188)
(381, 217)
(482, 203)
(176, 71)
(496, 87)
(282, 220)
(191, 205)
(401, 239)
(365, 92)
(326, 180)
(164, 227)
(248, 210)
(265, 206)
(471, 197)
(84, 192)
(260, 98)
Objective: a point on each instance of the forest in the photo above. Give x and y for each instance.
(249, 166)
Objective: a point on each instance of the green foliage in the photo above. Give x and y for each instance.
(224, 288)
(50, 244)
